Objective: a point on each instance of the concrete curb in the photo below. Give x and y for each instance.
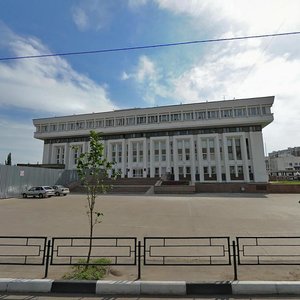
(136, 288)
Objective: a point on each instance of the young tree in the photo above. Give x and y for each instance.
(8, 161)
(93, 168)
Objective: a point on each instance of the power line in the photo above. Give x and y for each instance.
(150, 46)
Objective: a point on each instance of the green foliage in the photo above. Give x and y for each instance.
(287, 182)
(93, 168)
(89, 272)
(8, 161)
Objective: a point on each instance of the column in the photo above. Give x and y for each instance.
(123, 158)
(226, 162)
(245, 158)
(192, 159)
(200, 158)
(175, 159)
(145, 157)
(152, 170)
(129, 158)
(168, 154)
(218, 159)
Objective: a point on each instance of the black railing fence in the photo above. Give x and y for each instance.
(22, 250)
(154, 251)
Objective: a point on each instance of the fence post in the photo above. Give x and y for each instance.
(139, 260)
(47, 258)
(234, 261)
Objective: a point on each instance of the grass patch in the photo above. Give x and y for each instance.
(288, 182)
(91, 272)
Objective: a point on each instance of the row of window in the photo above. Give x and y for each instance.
(157, 118)
(183, 150)
(219, 130)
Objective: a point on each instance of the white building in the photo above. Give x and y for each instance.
(284, 163)
(219, 141)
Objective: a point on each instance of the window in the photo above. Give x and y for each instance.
(179, 151)
(221, 150)
(248, 150)
(187, 150)
(90, 124)
(204, 149)
(113, 152)
(141, 120)
(240, 112)
(80, 125)
(152, 119)
(253, 111)
(99, 123)
(212, 149)
(200, 115)
(212, 114)
(164, 118)
(44, 128)
(120, 121)
(120, 153)
(60, 155)
(130, 120)
(71, 126)
(109, 122)
(163, 151)
(53, 127)
(187, 116)
(265, 110)
(226, 113)
(76, 153)
(232, 170)
(238, 149)
(230, 149)
(176, 117)
(134, 152)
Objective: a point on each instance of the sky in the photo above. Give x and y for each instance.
(65, 85)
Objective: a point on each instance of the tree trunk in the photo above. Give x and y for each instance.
(91, 237)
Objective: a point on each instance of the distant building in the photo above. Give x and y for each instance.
(218, 141)
(284, 164)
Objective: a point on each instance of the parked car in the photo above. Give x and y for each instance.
(60, 190)
(39, 191)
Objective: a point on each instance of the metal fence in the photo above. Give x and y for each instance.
(72, 250)
(185, 251)
(14, 180)
(268, 250)
(20, 250)
(158, 251)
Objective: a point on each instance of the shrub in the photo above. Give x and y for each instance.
(89, 272)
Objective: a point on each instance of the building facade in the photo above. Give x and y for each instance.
(218, 141)
(284, 164)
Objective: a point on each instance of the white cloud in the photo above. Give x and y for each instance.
(48, 84)
(147, 78)
(92, 14)
(17, 138)
(80, 18)
(145, 70)
(44, 86)
(254, 16)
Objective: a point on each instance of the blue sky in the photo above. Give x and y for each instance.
(35, 88)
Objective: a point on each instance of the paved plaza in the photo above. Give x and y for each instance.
(144, 216)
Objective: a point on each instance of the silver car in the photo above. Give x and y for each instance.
(60, 190)
(39, 191)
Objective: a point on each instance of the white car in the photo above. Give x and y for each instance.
(60, 190)
(39, 191)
